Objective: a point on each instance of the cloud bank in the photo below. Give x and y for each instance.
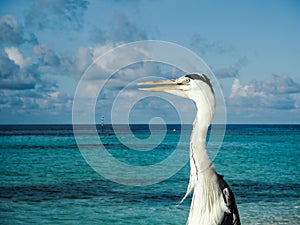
(276, 92)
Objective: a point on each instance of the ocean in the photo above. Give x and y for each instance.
(45, 177)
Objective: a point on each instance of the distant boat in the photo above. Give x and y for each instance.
(174, 130)
(102, 123)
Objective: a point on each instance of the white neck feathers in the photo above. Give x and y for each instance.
(207, 197)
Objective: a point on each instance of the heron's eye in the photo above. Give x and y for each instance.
(186, 81)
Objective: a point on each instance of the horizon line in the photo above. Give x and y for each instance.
(108, 124)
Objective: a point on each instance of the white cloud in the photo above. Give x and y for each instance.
(46, 56)
(238, 90)
(86, 57)
(115, 60)
(14, 54)
(275, 92)
(102, 62)
(16, 72)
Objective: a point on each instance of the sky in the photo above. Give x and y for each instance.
(252, 48)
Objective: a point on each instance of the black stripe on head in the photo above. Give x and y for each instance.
(201, 77)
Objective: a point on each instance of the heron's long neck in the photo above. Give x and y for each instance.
(205, 207)
(200, 161)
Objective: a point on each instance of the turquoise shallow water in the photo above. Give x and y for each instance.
(45, 179)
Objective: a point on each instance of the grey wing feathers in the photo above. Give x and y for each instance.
(232, 216)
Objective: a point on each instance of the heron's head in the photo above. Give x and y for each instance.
(194, 86)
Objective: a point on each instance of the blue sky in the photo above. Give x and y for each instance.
(251, 46)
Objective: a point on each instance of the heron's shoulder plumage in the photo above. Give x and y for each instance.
(231, 216)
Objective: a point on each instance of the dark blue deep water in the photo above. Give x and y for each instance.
(46, 180)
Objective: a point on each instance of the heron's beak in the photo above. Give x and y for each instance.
(166, 87)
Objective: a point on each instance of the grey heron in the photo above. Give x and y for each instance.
(213, 202)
